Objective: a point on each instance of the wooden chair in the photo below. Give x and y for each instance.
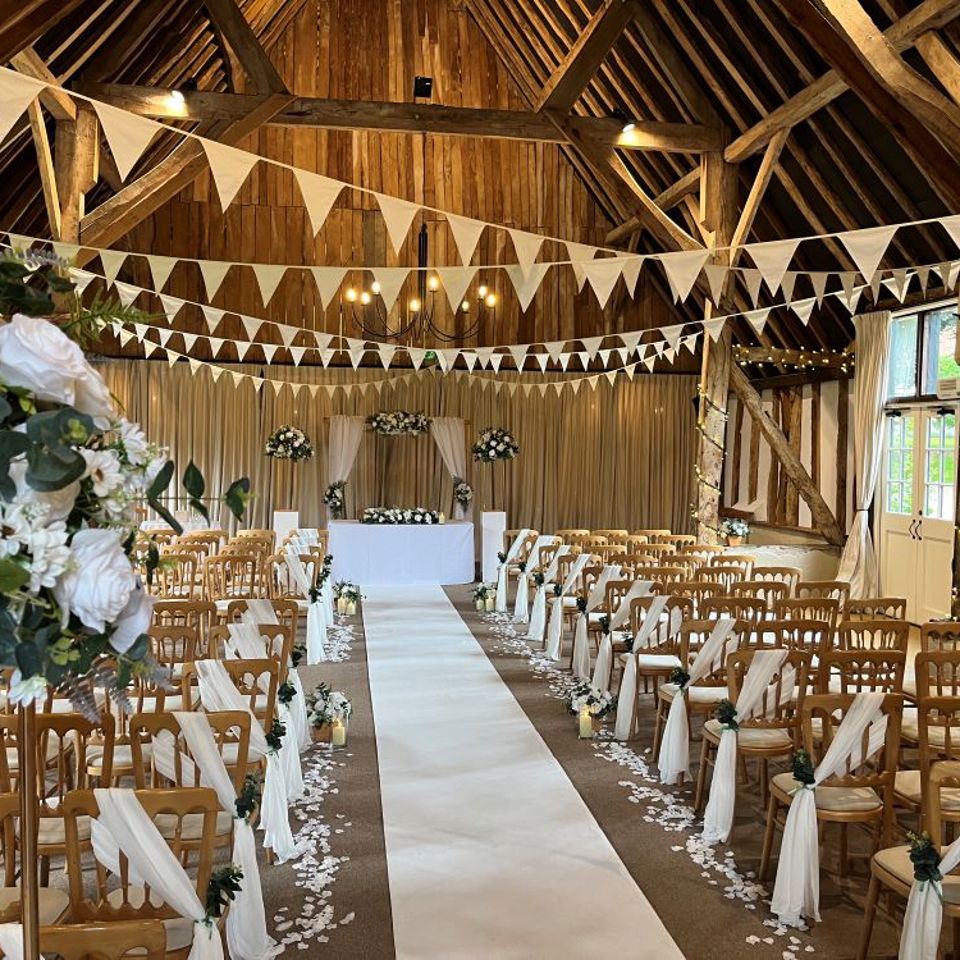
(861, 793)
(116, 940)
(257, 681)
(838, 590)
(612, 536)
(733, 561)
(173, 646)
(698, 591)
(286, 610)
(612, 552)
(892, 869)
(665, 575)
(825, 609)
(113, 896)
(200, 614)
(569, 532)
(587, 542)
(769, 735)
(680, 540)
(651, 535)
(231, 733)
(636, 542)
(657, 662)
(52, 902)
(874, 635)
(940, 635)
(212, 539)
(876, 608)
(786, 575)
(769, 592)
(659, 550)
(856, 671)
(176, 577)
(704, 694)
(723, 575)
(232, 576)
(751, 610)
(277, 638)
(258, 533)
(937, 675)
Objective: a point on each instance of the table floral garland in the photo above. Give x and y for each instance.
(399, 423)
(399, 515)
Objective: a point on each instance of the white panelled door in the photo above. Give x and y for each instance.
(916, 526)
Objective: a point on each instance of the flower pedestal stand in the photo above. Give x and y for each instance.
(29, 824)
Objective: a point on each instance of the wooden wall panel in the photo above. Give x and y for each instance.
(330, 49)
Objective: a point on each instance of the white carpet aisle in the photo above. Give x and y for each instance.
(490, 850)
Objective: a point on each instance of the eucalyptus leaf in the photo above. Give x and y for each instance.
(28, 659)
(12, 576)
(238, 496)
(161, 481)
(166, 515)
(193, 481)
(56, 427)
(49, 470)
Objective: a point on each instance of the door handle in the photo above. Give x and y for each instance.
(920, 529)
(913, 528)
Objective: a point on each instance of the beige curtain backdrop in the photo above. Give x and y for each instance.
(618, 456)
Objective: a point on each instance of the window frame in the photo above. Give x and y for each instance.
(923, 351)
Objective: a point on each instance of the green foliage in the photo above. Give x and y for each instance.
(726, 713)
(925, 858)
(276, 734)
(803, 767)
(222, 889)
(249, 797)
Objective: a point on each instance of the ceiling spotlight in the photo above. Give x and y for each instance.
(626, 124)
(423, 87)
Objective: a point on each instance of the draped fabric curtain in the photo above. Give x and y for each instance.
(621, 455)
(345, 436)
(447, 432)
(858, 565)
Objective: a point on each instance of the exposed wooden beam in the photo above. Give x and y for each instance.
(929, 15)
(21, 23)
(134, 203)
(821, 514)
(758, 189)
(928, 152)
(57, 101)
(571, 78)
(814, 359)
(48, 179)
(652, 135)
(232, 24)
(674, 194)
(76, 153)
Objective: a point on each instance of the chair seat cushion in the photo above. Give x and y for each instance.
(51, 830)
(896, 860)
(657, 661)
(837, 799)
(695, 694)
(122, 757)
(763, 737)
(907, 787)
(936, 736)
(52, 904)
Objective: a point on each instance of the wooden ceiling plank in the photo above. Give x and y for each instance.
(571, 78)
(23, 23)
(928, 15)
(246, 47)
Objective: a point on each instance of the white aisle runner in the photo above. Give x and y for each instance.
(491, 852)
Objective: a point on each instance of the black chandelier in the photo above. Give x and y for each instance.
(423, 313)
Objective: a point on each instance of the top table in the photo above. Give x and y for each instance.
(402, 554)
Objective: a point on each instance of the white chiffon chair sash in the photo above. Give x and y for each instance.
(512, 551)
(718, 817)
(538, 614)
(123, 826)
(555, 626)
(920, 937)
(598, 591)
(796, 893)
(247, 937)
(627, 697)
(550, 574)
(218, 692)
(326, 601)
(674, 757)
(316, 619)
(638, 589)
(581, 647)
(521, 604)
(11, 940)
(544, 540)
(259, 611)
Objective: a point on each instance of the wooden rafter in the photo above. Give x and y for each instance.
(234, 28)
(758, 189)
(48, 178)
(563, 89)
(686, 186)
(22, 23)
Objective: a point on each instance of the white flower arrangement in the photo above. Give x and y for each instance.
(326, 706)
(335, 497)
(399, 515)
(399, 423)
(732, 527)
(348, 591)
(288, 443)
(584, 695)
(495, 443)
(483, 590)
(73, 475)
(462, 492)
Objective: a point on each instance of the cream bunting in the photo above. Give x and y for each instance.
(397, 216)
(128, 135)
(229, 168)
(319, 194)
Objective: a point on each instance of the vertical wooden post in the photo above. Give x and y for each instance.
(76, 148)
(718, 213)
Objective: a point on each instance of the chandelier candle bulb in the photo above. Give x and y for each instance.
(586, 724)
(433, 283)
(350, 295)
(364, 298)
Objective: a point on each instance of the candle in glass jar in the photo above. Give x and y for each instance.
(341, 605)
(338, 733)
(586, 724)
(491, 603)
(442, 518)
(481, 605)
(351, 607)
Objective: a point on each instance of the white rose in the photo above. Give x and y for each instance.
(98, 587)
(134, 619)
(37, 355)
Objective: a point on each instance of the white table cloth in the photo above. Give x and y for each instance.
(399, 554)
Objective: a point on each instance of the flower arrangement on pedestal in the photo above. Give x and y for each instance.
(399, 423)
(495, 444)
(736, 531)
(335, 498)
(462, 492)
(288, 443)
(399, 515)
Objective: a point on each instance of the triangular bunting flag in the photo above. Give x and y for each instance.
(19, 91)
(397, 216)
(455, 281)
(252, 325)
(716, 274)
(189, 339)
(215, 344)
(542, 359)
(327, 280)
(682, 269)
(126, 292)
(229, 168)
(519, 353)
(772, 259)
(160, 269)
(213, 316)
(867, 247)
(714, 327)
(672, 334)
(631, 273)
(603, 276)
(386, 351)
(268, 277)
(269, 351)
(466, 234)
(787, 285)
(287, 333)
(391, 280)
(65, 251)
(125, 336)
(171, 306)
(495, 360)
(952, 226)
(579, 254)
(112, 261)
(554, 349)
(923, 275)
(752, 280)
(127, 133)
(758, 319)
(803, 309)
(319, 195)
(819, 283)
(164, 336)
(604, 356)
(591, 345)
(242, 347)
(527, 247)
(213, 272)
(526, 283)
